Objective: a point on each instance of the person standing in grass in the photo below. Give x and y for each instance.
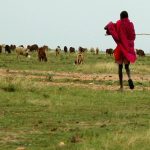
(123, 34)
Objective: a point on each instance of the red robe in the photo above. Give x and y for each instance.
(123, 34)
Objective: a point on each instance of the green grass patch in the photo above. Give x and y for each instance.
(42, 117)
(92, 63)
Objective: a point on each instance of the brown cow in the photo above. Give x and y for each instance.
(72, 50)
(65, 49)
(79, 59)
(33, 47)
(97, 51)
(45, 47)
(42, 54)
(109, 51)
(140, 52)
(58, 50)
(81, 49)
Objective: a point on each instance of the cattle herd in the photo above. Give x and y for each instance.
(42, 51)
(25, 51)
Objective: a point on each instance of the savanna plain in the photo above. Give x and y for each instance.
(56, 105)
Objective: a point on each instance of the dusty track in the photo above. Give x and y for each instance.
(69, 77)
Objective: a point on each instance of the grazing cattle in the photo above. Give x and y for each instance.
(72, 50)
(42, 54)
(92, 50)
(3, 48)
(97, 51)
(65, 49)
(81, 49)
(45, 47)
(0, 48)
(58, 50)
(22, 51)
(12, 47)
(140, 52)
(33, 47)
(7, 49)
(109, 51)
(79, 59)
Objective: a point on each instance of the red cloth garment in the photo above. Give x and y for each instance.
(123, 34)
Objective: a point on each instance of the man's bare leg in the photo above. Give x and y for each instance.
(130, 82)
(120, 76)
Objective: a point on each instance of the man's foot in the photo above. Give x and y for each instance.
(131, 85)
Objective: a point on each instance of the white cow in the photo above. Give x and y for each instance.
(22, 51)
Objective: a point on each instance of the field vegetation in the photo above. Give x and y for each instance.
(57, 105)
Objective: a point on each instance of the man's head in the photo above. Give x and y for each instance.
(123, 14)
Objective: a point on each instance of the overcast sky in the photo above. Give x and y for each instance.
(70, 22)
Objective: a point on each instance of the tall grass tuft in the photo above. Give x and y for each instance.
(106, 67)
(13, 84)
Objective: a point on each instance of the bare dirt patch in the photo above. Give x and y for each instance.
(36, 74)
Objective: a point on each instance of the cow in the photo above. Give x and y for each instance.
(97, 51)
(109, 51)
(92, 50)
(57, 50)
(81, 49)
(65, 49)
(22, 51)
(72, 50)
(7, 49)
(45, 47)
(79, 59)
(12, 47)
(3, 48)
(140, 52)
(0, 48)
(42, 54)
(33, 47)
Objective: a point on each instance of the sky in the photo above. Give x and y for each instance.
(70, 22)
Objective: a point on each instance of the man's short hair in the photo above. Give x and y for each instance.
(123, 14)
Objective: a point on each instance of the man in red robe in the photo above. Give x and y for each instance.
(123, 34)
